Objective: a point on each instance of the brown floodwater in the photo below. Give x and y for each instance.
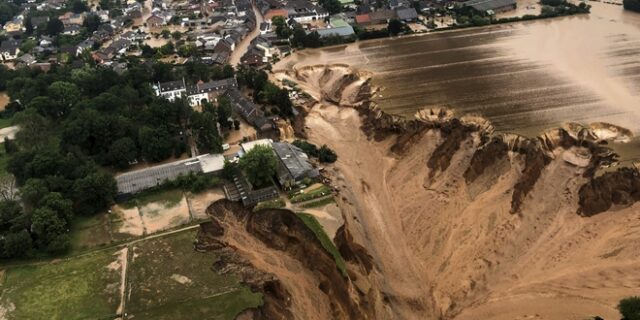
(524, 77)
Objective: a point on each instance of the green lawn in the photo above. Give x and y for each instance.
(5, 122)
(225, 306)
(89, 232)
(319, 203)
(170, 280)
(328, 245)
(269, 204)
(79, 288)
(310, 195)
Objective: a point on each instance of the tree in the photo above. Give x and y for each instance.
(224, 112)
(65, 94)
(156, 144)
(282, 29)
(259, 164)
(630, 308)
(54, 26)
(308, 148)
(165, 33)
(17, 244)
(10, 146)
(77, 6)
(33, 190)
(327, 155)
(56, 202)
(94, 193)
(47, 226)
(122, 152)
(176, 35)
(92, 22)
(395, 26)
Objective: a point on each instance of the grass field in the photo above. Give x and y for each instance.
(328, 245)
(170, 280)
(5, 122)
(80, 288)
(319, 203)
(89, 232)
(311, 194)
(270, 204)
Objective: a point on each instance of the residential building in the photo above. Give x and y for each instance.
(407, 14)
(155, 21)
(9, 50)
(305, 11)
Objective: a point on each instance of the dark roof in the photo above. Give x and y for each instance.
(295, 163)
(10, 46)
(484, 5)
(382, 15)
(36, 21)
(407, 13)
(172, 85)
(242, 105)
(216, 85)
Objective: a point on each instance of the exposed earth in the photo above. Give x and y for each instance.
(445, 219)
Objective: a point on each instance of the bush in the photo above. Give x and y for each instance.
(327, 155)
(630, 308)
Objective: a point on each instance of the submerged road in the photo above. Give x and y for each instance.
(243, 46)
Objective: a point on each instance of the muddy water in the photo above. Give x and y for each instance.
(524, 77)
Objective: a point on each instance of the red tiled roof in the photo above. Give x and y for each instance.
(276, 12)
(363, 18)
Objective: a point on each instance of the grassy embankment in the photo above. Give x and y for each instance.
(328, 245)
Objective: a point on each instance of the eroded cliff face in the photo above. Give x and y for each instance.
(448, 219)
(276, 254)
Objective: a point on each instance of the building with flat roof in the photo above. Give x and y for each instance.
(294, 165)
(491, 6)
(139, 180)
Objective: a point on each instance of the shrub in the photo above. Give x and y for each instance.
(630, 308)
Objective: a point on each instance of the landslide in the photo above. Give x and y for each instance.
(462, 222)
(276, 254)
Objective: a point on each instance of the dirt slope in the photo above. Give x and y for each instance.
(457, 234)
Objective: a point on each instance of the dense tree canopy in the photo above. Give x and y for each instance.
(76, 123)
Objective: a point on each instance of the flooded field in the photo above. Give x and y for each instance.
(524, 77)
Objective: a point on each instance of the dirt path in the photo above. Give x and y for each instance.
(243, 46)
(124, 262)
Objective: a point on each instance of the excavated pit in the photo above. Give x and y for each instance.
(431, 201)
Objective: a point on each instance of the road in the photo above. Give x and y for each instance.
(243, 46)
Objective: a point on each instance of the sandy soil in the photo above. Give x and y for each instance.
(4, 100)
(9, 132)
(131, 221)
(445, 249)
(201, 201)
(310, 302)
(329, 216)
(157, 216)
(121, 265)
